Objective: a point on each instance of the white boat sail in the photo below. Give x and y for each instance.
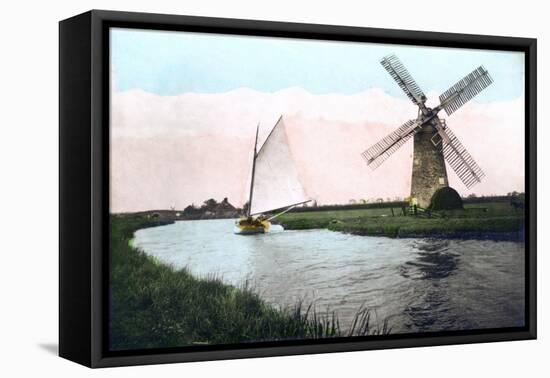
(275, 184)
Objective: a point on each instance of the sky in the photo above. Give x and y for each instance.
(171, 63)
(185, 107)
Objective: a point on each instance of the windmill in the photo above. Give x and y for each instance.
(434, 142)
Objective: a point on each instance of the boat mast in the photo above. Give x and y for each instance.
(253, 169)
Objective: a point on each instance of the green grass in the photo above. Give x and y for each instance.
(492, 220)
(321, 219)
(156, 306)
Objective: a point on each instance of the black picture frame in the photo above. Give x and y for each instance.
(84, 190)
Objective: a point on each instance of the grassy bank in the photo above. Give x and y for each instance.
(155, 306)
(492, 220)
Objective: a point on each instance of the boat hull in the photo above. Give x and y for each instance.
(245, 226)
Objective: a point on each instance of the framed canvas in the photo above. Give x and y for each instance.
(235, 188)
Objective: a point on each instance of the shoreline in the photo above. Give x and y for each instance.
(516, 236)
(385, 227)
(154, 305)
(498, 222)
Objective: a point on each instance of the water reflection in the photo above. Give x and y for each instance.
(433, 261)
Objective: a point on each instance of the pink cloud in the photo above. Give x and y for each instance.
(176, 150)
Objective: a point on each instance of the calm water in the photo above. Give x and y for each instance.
(417, 284)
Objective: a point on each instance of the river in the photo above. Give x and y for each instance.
(417, 285)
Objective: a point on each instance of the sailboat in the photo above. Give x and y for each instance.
(274, 183)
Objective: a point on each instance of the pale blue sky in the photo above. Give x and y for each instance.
(170, 63)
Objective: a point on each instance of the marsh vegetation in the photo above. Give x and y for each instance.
(483, 220)
(154, 305)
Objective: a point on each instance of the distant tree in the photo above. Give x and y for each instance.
(517, 200)
(380, 200)
(191, 209)
(352, 202)
(210, 203)
(472, 195)
(314, 203)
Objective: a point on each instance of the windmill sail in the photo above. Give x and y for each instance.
(397, 70)
(378, 153)
(459, 159)
(275, 182)
(448, 147)
(466, 89)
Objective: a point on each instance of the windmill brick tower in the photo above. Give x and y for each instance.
(434, 142)
(428, 171)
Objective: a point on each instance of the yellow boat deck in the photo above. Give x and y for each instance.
(249, 226)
